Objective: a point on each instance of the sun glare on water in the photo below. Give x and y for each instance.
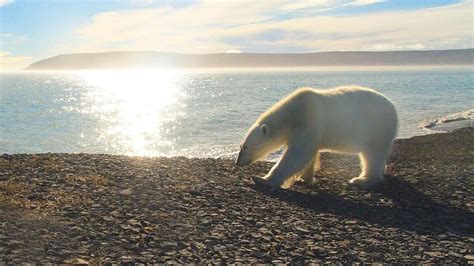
(132, 106)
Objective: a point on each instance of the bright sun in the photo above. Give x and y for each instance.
(132, 104)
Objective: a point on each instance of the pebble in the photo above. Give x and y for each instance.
(434, 254)
(125, 192)
(454, 254)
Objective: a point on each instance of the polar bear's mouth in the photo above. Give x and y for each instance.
(239, 161)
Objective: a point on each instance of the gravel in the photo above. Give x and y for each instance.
(90, 208)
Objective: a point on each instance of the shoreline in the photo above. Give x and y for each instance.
(73, 208)
(449, 122)
(438, 129)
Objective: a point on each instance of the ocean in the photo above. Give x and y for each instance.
(198, 113)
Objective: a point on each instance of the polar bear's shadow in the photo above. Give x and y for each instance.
(410, 209)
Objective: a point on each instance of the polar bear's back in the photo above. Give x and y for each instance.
(353, 117)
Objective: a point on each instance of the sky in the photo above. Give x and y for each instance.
(31, 30)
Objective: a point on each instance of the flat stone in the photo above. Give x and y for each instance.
(436, 254)
(125, 192)
(302, 230)
(454, 254)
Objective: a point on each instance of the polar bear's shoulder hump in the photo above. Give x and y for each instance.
(345, 90)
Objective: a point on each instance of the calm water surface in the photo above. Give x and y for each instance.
(193, 114)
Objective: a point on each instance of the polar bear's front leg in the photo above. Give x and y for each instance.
(284, 173)
(308, 174)
(315, 165)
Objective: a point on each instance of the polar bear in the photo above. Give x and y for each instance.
(348, 119)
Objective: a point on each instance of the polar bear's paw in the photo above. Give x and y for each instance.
(310, 181)
(260, 181)
(263, 182)
(307, 181)
(365, 182)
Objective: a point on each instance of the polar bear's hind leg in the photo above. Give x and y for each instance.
(308, 174)
(317, 161)
(373, 166)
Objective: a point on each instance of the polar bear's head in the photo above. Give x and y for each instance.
(257, 144)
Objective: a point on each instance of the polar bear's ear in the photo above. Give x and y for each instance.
(265, 129)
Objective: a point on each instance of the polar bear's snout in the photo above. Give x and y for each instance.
(241, 159)
(237, 160)
(255, 146)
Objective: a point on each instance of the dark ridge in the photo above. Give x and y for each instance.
(150, 59)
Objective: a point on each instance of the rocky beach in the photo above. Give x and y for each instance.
(97, 208)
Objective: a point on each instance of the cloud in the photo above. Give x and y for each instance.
(5, 2)
(392, 47)
(324, 5)
(364, 2)
(190, 29)
(9, 39)
(10, 62)
(266, 26)
(303, 4)
(142, 2)
(233, 52)
(432, 28)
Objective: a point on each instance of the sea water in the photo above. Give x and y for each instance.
(195, 113)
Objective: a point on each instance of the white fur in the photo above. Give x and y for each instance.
(347, 119)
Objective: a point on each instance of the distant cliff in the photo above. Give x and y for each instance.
(112, 60)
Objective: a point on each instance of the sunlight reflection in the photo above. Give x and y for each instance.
(133, 105)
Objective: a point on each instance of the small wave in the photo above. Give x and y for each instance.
(456, 117)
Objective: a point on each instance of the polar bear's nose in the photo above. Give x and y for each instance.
(237, 160)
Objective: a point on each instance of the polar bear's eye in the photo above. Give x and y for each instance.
(265, 130)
